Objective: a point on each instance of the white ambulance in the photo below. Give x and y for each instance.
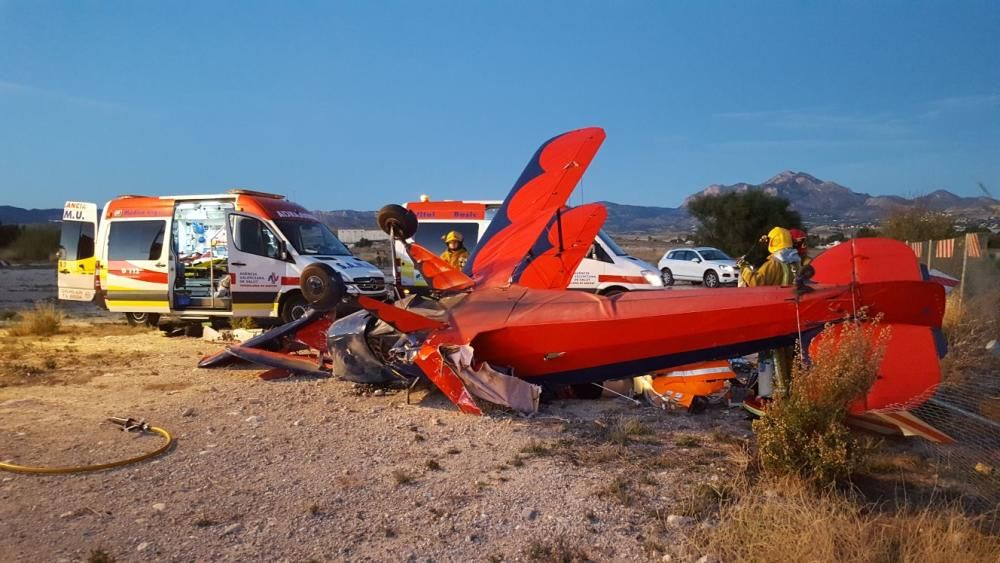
(237, 254)
(606, 270)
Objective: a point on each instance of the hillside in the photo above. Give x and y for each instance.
(820, 202)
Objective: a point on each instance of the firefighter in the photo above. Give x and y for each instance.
(799, 244)
(455, 253)
(782, 265)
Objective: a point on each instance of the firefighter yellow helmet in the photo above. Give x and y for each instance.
(453, 235)
(778, 239)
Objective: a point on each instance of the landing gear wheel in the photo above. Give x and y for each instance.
(587, 391)
(322, 287)
(668, 276)
(142, 319)
(711, 279)
(293, 308)
(397, 221)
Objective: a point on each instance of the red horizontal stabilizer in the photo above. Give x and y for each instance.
(562, 247)
(543, 188)
(907, 302)
(440, 275)
(278, 360)
(400, 319)
(867, 260)
(430, 361)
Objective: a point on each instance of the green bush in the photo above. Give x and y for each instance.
(804, 434)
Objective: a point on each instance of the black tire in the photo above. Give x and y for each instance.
(322, 287)
(668, 276)
(587, 391)
(397, 221)
(293, 307)
(712, 279)
(612, 291)
(142, 319)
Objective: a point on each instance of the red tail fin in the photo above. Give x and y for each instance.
(890, 283)
(561, 247)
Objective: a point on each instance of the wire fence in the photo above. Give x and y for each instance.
(966, 404)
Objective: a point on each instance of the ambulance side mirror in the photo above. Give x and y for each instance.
(283, 252)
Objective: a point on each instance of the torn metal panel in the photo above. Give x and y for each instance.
(491, 385)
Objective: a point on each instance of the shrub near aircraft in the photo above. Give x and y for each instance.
(505, 325)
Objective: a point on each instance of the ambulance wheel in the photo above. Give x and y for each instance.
(142, 319)
(711, 279)
(612, 291)
(587, 391)
(293, 308)
(396, 220)
(668, 276)
(322, 287)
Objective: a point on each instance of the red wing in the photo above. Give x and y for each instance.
(400, 319)
(290, 362)
(440, 275)
(542, 189)
(558, 252)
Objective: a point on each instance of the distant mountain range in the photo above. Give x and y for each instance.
(820, 203)
(19, 216)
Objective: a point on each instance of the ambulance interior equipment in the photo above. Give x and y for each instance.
(201, 255)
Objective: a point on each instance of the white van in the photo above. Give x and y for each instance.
(238, 254)
(606, 270)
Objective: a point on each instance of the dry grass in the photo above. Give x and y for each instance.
(787, 520)
(557, 551)
(100, 556)
(536, 448)
(246, 323)
(805, 434)
(968, 327)
(622, 430)
(402, 477)
(619, 490)
(43, 320)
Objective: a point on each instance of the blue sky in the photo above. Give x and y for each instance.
(353, 105)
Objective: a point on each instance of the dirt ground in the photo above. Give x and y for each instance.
(318, 469)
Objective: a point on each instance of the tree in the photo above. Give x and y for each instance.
(918, 224)
(866, 232)
(734, 222)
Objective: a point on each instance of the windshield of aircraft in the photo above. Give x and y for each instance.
(610, 243)
(714, 254)
(312, 238)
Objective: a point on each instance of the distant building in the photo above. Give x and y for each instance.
(352, 236)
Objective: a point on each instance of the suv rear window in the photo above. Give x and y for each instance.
(136, 240)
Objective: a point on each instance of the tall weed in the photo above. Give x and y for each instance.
(43, 320)
(804, 434)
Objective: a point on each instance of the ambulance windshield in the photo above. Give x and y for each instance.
(312, 238)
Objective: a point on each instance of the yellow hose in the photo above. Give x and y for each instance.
(83, 468)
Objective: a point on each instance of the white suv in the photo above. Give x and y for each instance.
(710, 266)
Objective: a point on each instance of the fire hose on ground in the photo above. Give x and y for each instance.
(128, 425)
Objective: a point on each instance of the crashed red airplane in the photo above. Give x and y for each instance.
(507, 323)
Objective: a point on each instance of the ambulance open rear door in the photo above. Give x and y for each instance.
(77, 263)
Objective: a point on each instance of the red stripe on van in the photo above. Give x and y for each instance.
(622, 279)
(129, 270)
